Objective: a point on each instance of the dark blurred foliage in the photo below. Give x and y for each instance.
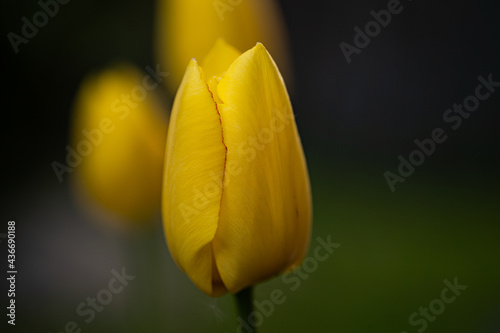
(354, 119)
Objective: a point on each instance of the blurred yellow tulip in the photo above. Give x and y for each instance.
(236, 194)
(188, 29)
(118, 142)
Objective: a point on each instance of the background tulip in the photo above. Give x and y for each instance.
(119, 133)
(189, 28)
(236, 195)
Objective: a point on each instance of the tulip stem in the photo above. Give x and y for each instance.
(244, 300)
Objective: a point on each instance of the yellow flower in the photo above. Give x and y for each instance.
(118, 142)
(236, 194)
(189, 28)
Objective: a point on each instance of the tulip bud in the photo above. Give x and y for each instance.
(119, 132)
(236, 194)
(188, 29)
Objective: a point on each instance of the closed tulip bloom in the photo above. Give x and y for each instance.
(119, 131)
(189, 28)
(236, 194)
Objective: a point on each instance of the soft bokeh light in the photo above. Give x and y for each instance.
(187, 29)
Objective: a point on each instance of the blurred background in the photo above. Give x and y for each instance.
(355, 119)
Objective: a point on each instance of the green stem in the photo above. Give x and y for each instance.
(244, 300)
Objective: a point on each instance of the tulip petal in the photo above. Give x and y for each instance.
(195, 159)
(265, 213)
(218, 60)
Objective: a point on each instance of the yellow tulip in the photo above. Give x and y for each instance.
(188, 29)
(118, 142)
(236, 194)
